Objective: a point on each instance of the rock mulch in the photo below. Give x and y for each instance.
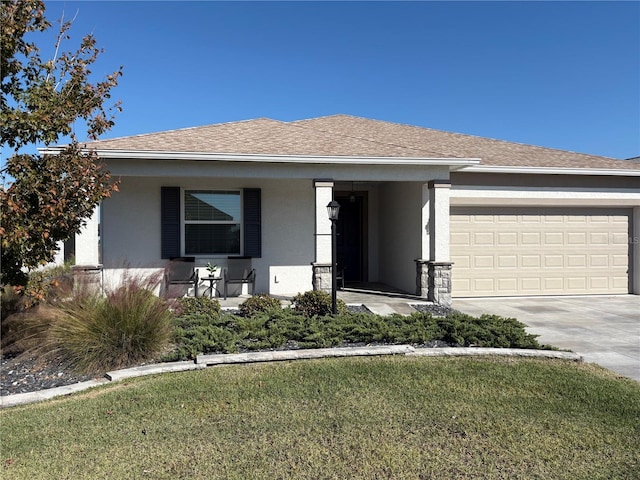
(24, 374)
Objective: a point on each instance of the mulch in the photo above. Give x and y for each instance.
(24, 374)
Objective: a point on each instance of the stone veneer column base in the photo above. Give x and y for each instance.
(87, 278)
(422, 278)
(433, 281)
(322, 277)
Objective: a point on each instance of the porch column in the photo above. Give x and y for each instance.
(87, 271)
(634, 268)
(433, 275)
(88, 241)
(322, 264)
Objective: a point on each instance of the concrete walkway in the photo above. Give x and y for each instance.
(603, 329)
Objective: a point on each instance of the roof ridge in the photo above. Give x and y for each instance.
(469, 135)
(371, 140)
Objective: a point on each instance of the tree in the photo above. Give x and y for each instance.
(43, 101)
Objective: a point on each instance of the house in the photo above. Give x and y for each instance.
(429, 212)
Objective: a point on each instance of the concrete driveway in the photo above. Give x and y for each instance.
(603, 329)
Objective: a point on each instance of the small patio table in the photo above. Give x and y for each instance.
(211, 287)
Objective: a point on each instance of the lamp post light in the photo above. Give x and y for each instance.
(333, 209)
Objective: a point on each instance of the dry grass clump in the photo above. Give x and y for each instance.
(94, 332)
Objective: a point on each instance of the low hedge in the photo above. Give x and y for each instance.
(196, 333)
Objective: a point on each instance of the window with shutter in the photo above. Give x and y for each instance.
(213, 220)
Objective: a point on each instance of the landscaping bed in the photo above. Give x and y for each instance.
(119, 331)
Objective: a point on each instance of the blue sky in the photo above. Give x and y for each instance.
(558, 74)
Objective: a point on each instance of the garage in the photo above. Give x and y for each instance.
(505, 251)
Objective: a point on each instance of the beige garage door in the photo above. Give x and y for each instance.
(521, 251)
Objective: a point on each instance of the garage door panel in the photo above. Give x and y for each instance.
(620, 238)
(520, 251)
(507, 261)
(597, 261)
(619, 260)
(554, 261)
(507, 239)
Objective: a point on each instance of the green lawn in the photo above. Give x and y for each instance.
(369, 418)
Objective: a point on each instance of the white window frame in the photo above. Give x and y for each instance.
(184, 222)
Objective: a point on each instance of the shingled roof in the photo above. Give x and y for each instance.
(349, 136)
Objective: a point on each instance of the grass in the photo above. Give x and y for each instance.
(391, 417)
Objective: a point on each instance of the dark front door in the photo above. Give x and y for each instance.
(351, 236)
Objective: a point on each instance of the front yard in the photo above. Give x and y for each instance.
(392, 417)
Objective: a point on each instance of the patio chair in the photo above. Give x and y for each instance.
(239, 271)
(182, 271)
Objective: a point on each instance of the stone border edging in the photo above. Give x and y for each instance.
(203, 361)
(281, 355)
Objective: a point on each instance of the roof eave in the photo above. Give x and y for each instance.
(453, 163)
(552, 170)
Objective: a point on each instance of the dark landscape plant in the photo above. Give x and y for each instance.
(259, 303)
(287, 328)
(205, 306)
(316, 302)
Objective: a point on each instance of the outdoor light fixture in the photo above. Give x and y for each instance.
(333, 209)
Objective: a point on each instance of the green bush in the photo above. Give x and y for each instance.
(258, 304)
(485, 331)
(316, 303)
(199, 335)
(209, 307)
(288, 328)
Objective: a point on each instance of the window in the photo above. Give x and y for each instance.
(207, 222)
(212, 220)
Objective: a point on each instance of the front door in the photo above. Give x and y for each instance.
(351, 236)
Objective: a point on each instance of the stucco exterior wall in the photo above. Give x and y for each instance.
(131, 229)
(400, 219)
(288, 246)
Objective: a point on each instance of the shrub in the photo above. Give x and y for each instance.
(485, 331)
(48, 284)
(258, 304)
(316, 303)
(11, 301)
(208, 307)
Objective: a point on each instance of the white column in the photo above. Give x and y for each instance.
(425, 244)
(439, 220)
(324, 195)
(634, 268)
(88, 241)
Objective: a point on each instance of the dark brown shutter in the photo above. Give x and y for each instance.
(252, 214)
(170, 221)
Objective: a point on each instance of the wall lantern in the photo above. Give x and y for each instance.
(333, 209)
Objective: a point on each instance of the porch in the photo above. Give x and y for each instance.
(378, 298)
